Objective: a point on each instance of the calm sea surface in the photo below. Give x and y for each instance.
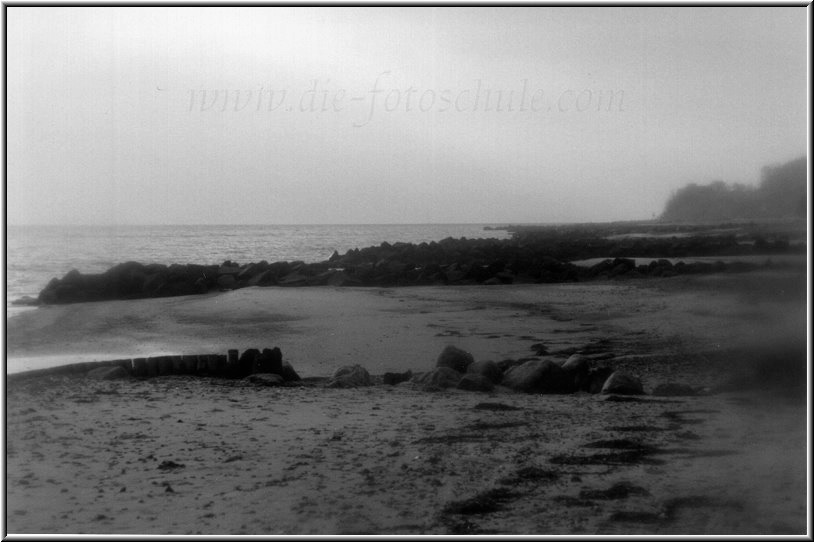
(36, 254)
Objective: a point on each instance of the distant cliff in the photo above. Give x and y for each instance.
(780, 194)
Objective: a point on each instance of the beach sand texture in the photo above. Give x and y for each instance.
(185, 455)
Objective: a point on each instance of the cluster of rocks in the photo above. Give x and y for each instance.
(262, 367)
(456, 368)
(451, 261)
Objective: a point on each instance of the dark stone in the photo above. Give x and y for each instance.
(454, 358)
(288, 373)
(486, 368)
(438, 378)
(538, 376)
(475, 382)
(391, 379)
(620, 383)
(597, 377)
(578, 368)
(350, 376)
(227, 282)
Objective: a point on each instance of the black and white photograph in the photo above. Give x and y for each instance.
(291, 270)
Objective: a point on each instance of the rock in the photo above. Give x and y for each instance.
(438, 378)
(622, 384)
(26, 300)
(540, 349)
(578, 367)
(506, 364)
(391, 379)
(475, 382)
(597, 377)
(350, 376)
(108, 373)
(486, 368)
(265, 379)
(269, 361)
(227, 282)
(538, 376)
(293, 279)
(454, 358)
(673, 390)
(289, 374)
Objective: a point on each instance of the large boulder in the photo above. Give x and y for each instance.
(438, 378)
(475, 382)
(227, 282)
(455, 358)
(391, 379)
(289, 374)
(538, 376)
(486, 368)
(578, 367)
(620, 383)
(597, 377)
(350, 376)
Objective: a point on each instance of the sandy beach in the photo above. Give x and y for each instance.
(185, 455)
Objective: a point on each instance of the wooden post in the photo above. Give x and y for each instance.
(140, 367)
(178, 365)
(190, 364)
(152, 367)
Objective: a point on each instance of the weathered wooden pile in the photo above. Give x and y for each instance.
(231, 365)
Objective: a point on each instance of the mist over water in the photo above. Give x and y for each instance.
(36, 254)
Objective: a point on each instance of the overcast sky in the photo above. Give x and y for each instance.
(392, 115)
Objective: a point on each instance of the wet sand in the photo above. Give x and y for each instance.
(184, 455)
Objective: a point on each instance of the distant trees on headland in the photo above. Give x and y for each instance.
(780, 194)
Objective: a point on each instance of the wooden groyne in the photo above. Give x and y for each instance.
(233, 364)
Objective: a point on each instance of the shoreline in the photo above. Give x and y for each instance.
(186, 455)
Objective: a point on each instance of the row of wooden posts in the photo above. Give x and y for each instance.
(231, 365)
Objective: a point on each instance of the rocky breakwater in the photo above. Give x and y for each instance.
(525, 258)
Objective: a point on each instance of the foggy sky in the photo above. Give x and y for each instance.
(113, 117)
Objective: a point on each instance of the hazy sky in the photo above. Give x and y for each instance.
(364, 115)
